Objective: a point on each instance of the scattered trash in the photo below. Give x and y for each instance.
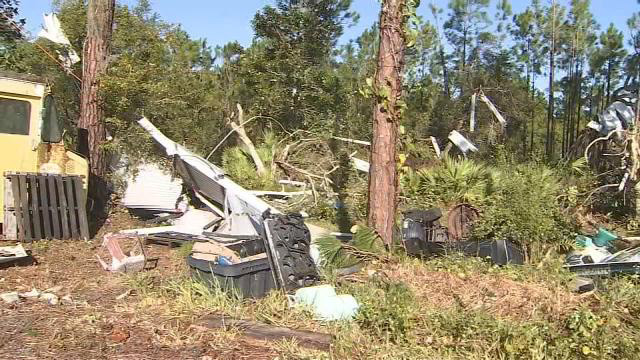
(14, 256)
(10, 297)
(326, 304)
(214, 252)
(66, 300)
(124, 294)
(581, 285)
(135, 260)
(422, 236)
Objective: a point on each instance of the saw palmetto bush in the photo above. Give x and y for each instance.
(454, 180)
(365, 246)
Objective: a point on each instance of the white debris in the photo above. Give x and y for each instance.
(52, 299)
(325, 303)
(472, 115)
(192, 222)
(53, 31)
(151, 188)
(66, 300)
(10, 297)
(461, 142)
(436, 147)
(34, 293)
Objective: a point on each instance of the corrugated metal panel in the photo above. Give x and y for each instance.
(152, 189)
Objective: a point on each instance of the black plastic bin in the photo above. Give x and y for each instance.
(248, 279)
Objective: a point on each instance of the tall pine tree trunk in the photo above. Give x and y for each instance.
(550, 114)
(95, 60)
(386, 115)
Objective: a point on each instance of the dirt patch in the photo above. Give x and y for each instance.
(96, 324)
(492, 293)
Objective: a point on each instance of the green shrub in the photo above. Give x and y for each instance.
(524, 208)
(450, 182)
(240, 168)
(387, 309)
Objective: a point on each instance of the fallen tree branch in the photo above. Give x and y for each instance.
(239, 129)
(352, 141)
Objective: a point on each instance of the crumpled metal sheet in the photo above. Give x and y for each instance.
(152, 188)
(208, 179)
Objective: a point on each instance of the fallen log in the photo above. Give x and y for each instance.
(265, 332)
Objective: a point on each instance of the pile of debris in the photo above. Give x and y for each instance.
(598, 256)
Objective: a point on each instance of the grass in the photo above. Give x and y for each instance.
(451, 307)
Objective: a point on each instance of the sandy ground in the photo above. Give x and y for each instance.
(97, 325)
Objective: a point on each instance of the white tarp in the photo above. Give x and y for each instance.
(52, 31)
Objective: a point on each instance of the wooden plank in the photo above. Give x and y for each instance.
(266, 332)
(53, 204)
(15, 186)
(35, 207)
(82, 208)
(24, 204)
(72, 206)
(9, 223)
(63, 208)
(44, 206)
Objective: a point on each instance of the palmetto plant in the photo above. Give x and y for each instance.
(455, 181)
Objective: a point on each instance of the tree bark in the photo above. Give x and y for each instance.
(96, 52)
(550, 114)
(386, 115)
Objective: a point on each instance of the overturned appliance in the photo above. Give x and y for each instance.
(273, 250)
(423, 236)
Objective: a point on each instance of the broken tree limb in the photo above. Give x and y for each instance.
(280, 194)
(436, 147)
(248, 144)
(472, 116)
(266, 332)
(353, 141)
(493, 109)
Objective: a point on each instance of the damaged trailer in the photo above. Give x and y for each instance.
(274, 250)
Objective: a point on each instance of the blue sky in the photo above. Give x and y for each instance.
(221, 21)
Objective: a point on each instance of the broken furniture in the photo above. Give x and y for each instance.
(14, 256)
(134, 260)
(44, 206)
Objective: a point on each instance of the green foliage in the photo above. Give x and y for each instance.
(339, 255)
(387, 309)
(238, 165)
(450, 182)
(524, 208)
